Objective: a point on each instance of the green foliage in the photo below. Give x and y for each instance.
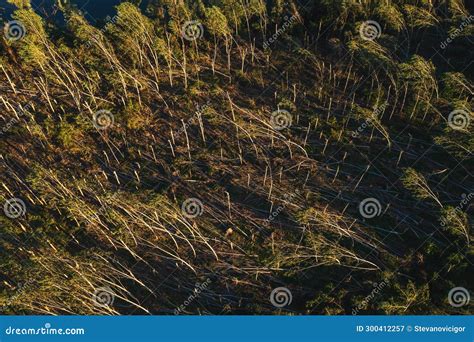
(419, 17)
(456, 222)
(420, 75)
(216, 22)
(198, 120)
(417, 184)
(370, 53)
(21, 3)
(391, 15)
(33, 45)
(411, 298)
(455, 86)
